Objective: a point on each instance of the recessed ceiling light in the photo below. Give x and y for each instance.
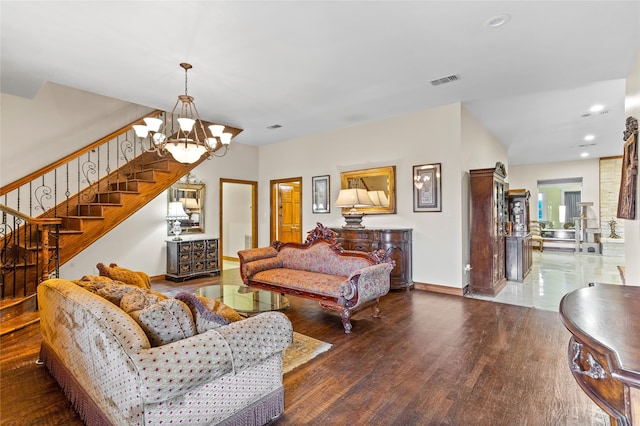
(596, 108)
(589, 137)
(497, 21)
(584, 154)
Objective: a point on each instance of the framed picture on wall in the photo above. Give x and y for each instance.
(320, 194)
(427, 188)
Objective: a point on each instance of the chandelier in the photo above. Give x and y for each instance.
(182, 133)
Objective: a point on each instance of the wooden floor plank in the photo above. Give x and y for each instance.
(431, 359)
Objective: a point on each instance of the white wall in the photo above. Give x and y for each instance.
(632, 227)
(56, 122)
(527, 176)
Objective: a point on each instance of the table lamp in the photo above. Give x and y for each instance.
(176, 213)
(352, 198)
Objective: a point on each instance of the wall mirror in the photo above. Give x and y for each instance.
(379, 182)
(192, 197)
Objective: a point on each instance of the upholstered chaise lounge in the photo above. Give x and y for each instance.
(342, 281)
(113, 373)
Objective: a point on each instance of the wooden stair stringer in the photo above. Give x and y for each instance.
(75, 242)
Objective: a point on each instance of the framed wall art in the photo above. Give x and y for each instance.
(427, 188)
(320, 194)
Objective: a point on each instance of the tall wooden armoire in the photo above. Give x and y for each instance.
(489, 217)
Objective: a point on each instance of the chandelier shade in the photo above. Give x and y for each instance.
(182, 133)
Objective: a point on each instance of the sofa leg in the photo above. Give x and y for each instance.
(376, 309)
(346, 316)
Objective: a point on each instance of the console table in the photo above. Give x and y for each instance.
(191, 258)
(604, 351)
(396, 242)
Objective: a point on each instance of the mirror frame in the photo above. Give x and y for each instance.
(174, 194)
(389, 172)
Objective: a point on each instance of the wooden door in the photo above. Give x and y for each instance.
(286, 202)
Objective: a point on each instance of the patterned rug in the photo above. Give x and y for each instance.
(302, 350)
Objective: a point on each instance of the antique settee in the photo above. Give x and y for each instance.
(319, 269)
(114, 371)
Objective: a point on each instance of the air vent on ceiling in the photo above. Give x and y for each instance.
(585, 145)
(588, 114)
(274, 126)
(444, 80)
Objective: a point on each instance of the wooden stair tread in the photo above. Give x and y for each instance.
(21, 321)
(84, 217)
(70, 231)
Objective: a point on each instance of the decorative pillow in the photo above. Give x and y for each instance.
(165, 322)
(218, 307)
(139, 299)
(205, 319)
(115, 272)
(93, 282)
(251, 268)
(250, 255)
(115, 291)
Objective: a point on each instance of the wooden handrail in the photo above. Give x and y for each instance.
(27, 218)
(38, 173)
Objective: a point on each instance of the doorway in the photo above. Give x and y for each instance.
(238, 219)
(286, 210)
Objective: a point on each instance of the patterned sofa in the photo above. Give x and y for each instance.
(342, 281)
(104, 361)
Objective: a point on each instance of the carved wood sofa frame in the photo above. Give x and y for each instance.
(367, 281)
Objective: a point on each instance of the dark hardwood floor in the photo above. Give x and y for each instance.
(431, 359)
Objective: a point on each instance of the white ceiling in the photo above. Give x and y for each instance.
(316, 66)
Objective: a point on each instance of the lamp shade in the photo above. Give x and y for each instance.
(186, 154)
(176, 211)
(353, 197)
(190, 203)
(379, 198)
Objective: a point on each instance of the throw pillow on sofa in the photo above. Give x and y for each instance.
(139, 299)
(165, 322)
(115, 272)
(115, 291)
(204, 318)
(217, 307)
(93, 282)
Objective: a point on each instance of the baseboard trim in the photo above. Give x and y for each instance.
(454, 291)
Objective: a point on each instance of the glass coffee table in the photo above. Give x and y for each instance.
(245, 300)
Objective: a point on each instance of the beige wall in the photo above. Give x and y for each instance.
(480, 150)
(632, 227)
(433, 136)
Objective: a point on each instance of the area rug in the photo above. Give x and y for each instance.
(302, 350)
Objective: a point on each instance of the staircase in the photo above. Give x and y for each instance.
(77, 220)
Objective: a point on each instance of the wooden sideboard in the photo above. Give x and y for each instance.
(604, 350)
(191, 258)
(396, 242)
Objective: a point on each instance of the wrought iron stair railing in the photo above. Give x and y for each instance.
(87, 193)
